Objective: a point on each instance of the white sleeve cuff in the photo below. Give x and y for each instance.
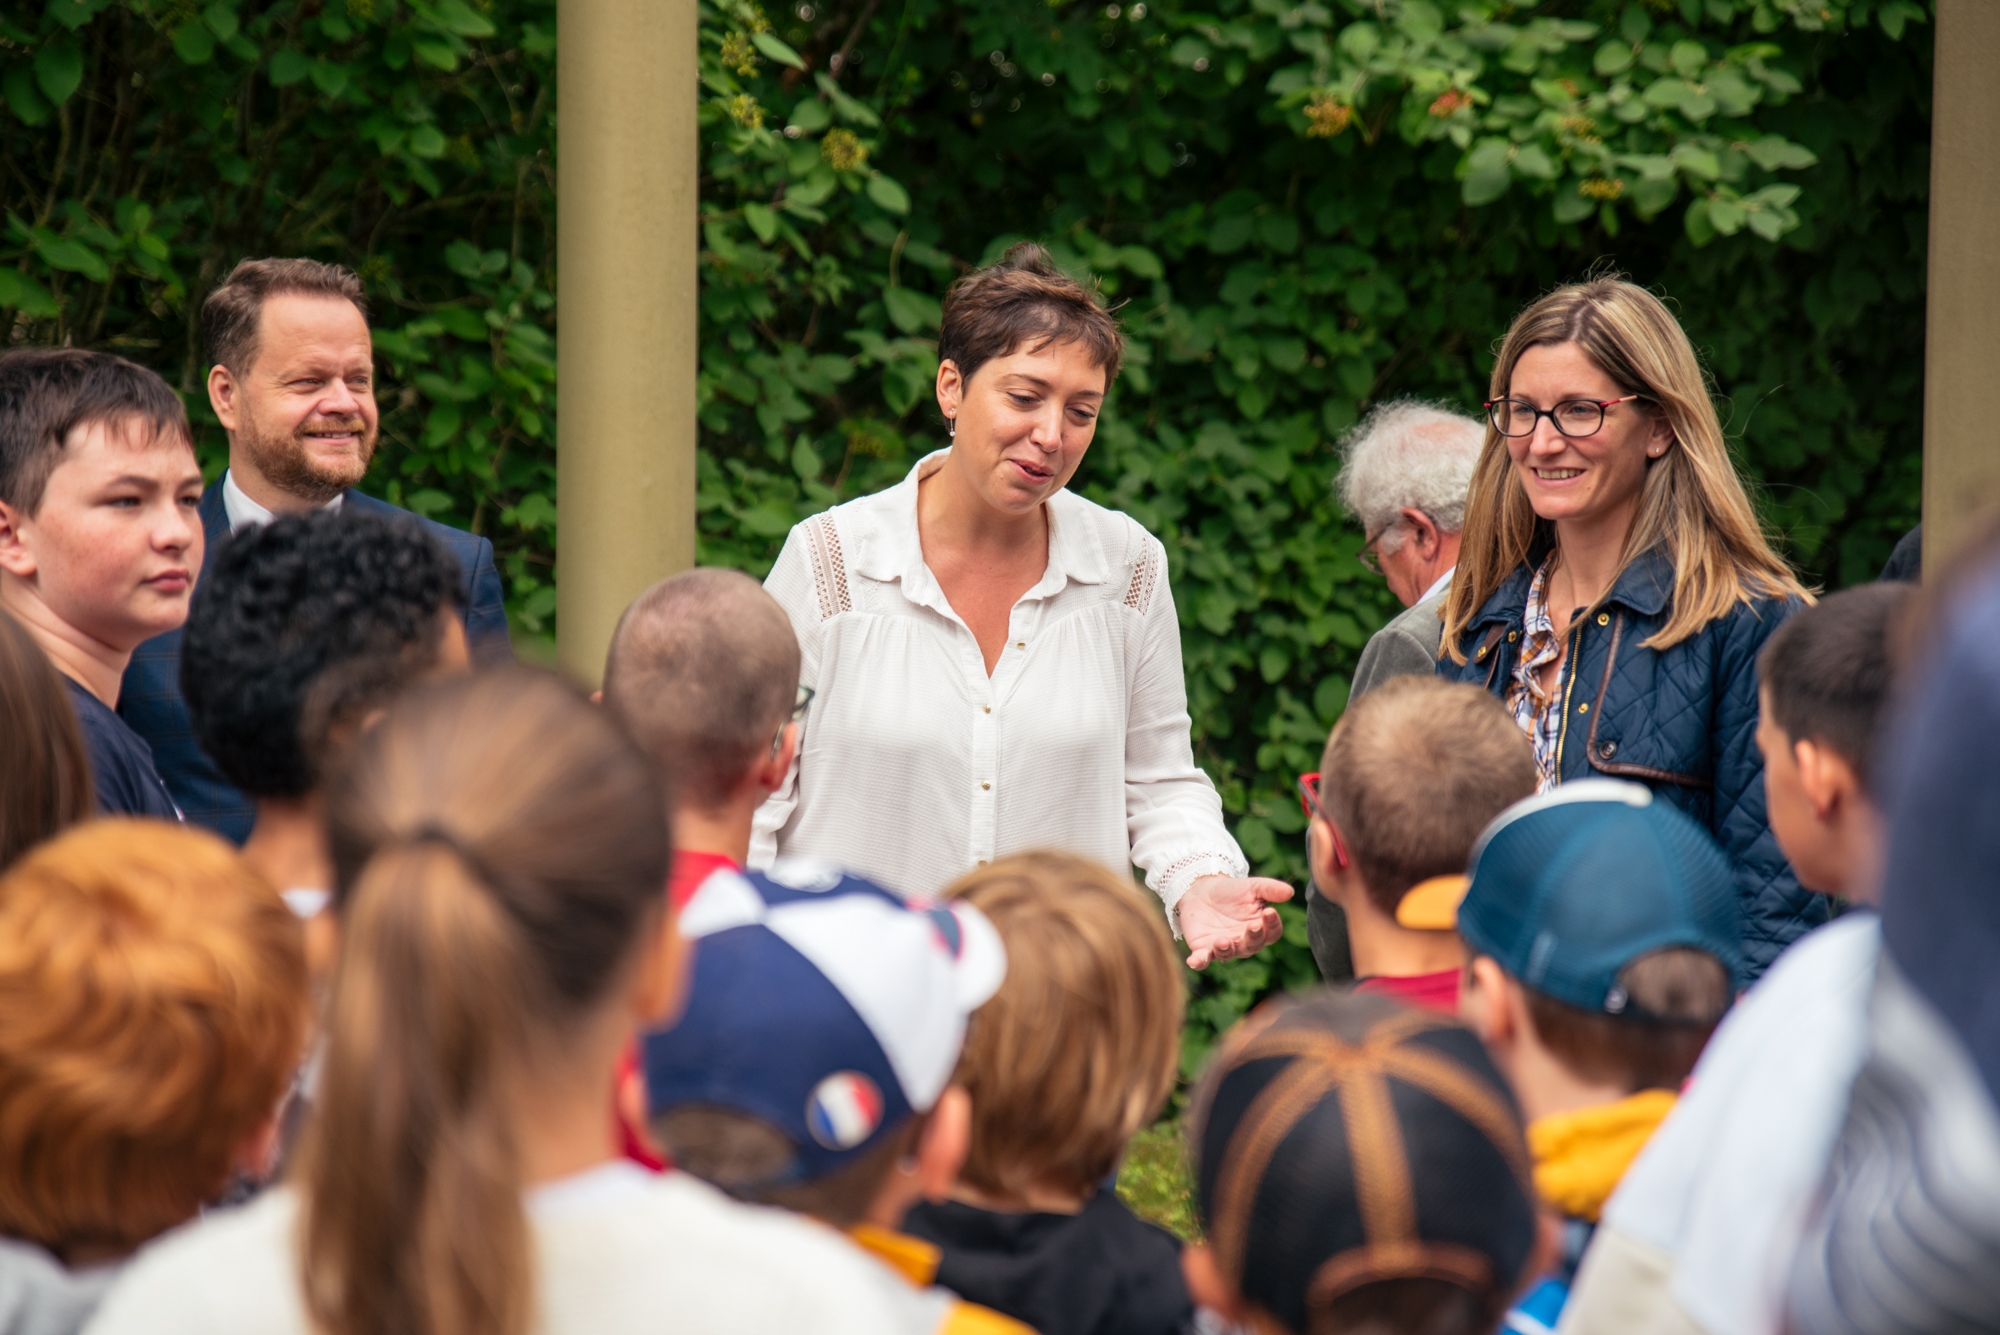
(1173, 882)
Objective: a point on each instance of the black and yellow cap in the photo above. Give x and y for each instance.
(1341, 1139)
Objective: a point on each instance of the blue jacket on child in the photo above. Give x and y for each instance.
(1682, 720)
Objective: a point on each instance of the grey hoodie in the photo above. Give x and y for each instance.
(40, 1296)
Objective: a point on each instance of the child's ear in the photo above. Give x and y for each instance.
(945, 1142)
(1207, 1286)
(1483, 1002)
(15, 556)
(660, 990)
(772, 769)
(1825, 777)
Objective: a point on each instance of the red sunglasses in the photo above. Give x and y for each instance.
(1309, 803)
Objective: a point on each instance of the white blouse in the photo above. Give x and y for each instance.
(914, 766)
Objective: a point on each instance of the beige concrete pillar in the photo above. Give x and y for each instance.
(625, 254)
(1962, 320)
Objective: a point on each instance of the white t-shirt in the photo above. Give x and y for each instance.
(618, 1249)
(1701, 1231)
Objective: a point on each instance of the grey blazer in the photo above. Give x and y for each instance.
(1406, 647)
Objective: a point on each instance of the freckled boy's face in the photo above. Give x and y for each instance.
(115, 545)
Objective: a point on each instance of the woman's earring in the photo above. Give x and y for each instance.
(951, 428)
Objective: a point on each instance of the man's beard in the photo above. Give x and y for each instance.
(287, 465)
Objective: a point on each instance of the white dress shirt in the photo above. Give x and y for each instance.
(915, 767)
(241, 511)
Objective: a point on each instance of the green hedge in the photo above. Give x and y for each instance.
(1303, 209)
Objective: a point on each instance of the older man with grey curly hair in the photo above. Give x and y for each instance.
(1404, 473)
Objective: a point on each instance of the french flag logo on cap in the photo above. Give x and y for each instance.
(844, 1110)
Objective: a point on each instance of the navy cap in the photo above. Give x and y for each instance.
(825, 1005)
(1571, 886)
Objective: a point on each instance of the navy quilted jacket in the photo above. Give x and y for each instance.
(1681, 720)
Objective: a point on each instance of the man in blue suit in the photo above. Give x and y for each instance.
(292, 378)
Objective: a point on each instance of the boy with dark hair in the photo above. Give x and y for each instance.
(812, 1066)
(704, 671)
(1412, 773)
(1702, 1232)
(1359, 1167)
(99, 538)
(283, 606)
(1605, 937)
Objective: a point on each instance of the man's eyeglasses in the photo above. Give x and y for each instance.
(1371, 560)
(1309, 803)
(1572, 417)
(806, 694)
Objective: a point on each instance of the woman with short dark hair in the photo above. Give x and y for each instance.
(997, 661)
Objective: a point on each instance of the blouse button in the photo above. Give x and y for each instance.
(1020, 644)
(986, 709)
(1604, 618)
(982, 862)
(984, 784)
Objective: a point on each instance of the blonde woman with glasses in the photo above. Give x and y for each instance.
(1614, 586)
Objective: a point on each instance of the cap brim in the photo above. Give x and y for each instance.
(981, 965)
(1433, 905)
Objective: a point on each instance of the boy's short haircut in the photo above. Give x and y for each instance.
(704, 670)
(1678, 996)
(280, 605)
(743, 1154)
(1412, 772)
(1090, 963)
(47, 393)
(230, 314)
(1359, 1165)
(1828, 670)
(153, 1007)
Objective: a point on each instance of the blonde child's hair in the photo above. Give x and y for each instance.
(1078, 1049)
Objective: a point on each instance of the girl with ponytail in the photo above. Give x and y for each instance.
(500, 852)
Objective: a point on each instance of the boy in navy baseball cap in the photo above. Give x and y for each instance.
(812, 1066)
(1603, 935)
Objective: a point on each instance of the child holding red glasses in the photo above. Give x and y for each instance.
(1413, 771)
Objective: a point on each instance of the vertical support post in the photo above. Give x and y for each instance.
(1962, 316)
(626, 199)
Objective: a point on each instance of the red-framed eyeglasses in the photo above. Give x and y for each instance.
(1309, 803)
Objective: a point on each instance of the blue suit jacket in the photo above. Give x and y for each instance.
(151, 702)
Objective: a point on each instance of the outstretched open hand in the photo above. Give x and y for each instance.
(1228, 917)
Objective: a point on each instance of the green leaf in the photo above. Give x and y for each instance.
(74, 256)
(805, 459)
(1689, 58)
(1773, 153)
(289, 66)
(762, 221)
(1486, 172)
(72, 14)
(427, 141)
(1613, 58)
(777, 50)
(1699, 229)
(1140, 262)
(888, 193)
(438, 55)
(194, 44)
(847, 107)
(1572, 206)
(59, 69)
(328, 77)
(458, 17)
(23, 98)
(1727, 216)
(811, 115)
(912, 312)
(10, 288)
(221, 20)
(36, 301)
